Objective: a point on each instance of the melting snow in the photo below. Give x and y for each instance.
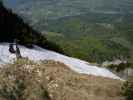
(38, 53)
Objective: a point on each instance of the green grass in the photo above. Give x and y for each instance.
(90, 48)
(93, 37)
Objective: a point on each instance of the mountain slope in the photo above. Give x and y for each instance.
(105, 23)
(93, 37)
(37, 54)
(14, 27)
(52, 80)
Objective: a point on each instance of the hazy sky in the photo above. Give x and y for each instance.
(11, 2)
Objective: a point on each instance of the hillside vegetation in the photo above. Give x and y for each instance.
(93, 37)
(50, 80)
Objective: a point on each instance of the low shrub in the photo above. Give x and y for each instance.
(128, 89)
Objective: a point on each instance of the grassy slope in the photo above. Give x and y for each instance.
(54, 81)
(95, 37)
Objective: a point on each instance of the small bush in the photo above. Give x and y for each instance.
(119, 67)
(128, 90)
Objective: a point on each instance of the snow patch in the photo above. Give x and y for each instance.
(38, 54)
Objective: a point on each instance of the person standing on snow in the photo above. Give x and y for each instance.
(18, 53)
(11, 48)
(15, 51)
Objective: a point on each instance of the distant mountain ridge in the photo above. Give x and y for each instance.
(60, 8)
(39, 11)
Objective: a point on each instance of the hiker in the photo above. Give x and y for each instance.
(18, 54)
(15, 51)
(11, 49)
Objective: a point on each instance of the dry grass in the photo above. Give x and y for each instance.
(51, 80)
